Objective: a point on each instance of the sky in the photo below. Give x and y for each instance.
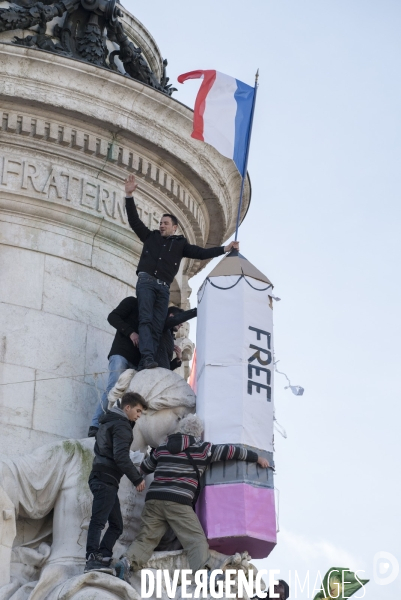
(324, 227)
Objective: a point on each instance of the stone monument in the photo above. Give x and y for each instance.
(84, 101)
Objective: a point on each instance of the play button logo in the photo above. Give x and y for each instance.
(385, 568)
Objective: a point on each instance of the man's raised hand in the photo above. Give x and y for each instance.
(130, 185)
(178, 352)
(231, 246)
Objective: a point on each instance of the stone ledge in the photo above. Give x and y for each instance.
(110, 152)
(142, 114)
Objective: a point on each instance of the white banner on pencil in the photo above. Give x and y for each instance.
(234, 363)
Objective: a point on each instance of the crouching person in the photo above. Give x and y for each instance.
(178, 466)
(111, 462)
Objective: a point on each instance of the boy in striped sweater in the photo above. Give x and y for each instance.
(171, 494)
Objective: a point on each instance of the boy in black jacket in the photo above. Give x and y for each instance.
(159, 263)
(111, 462)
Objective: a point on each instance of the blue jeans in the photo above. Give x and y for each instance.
(153, 300)
(117, 365)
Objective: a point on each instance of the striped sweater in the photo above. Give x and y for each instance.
(175, 478)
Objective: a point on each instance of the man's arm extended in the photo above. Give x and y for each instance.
(191, 251)
(230, 452)
(180, 318)
(133, 218)
(117, 316)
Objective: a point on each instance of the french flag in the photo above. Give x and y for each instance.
(222, 114)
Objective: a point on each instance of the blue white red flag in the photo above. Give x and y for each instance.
(222, 114)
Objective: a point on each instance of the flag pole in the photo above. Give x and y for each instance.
(246, 155)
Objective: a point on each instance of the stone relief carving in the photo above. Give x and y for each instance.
(108, 201)
(64, 185)
(23, 17)
(86, 28)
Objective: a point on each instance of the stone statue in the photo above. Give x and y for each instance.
(86, 26)
(169, 396)
(46, 505)
(47, 499)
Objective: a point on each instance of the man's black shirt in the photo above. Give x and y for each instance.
(161, 256)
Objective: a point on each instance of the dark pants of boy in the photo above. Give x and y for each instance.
(105, 508)
(153, 296)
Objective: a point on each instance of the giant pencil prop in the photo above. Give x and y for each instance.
(234, 354)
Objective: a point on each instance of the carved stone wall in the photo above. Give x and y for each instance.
(70, 133)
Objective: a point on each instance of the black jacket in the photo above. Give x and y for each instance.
(113, 442)
(164, 356)
(165, 352)
(125, 319)
(161, 256)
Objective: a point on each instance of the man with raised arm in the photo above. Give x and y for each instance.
(159, 263)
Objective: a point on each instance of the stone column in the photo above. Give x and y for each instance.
(70, 133)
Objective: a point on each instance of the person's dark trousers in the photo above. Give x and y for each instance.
(105, 508)
(153, 300)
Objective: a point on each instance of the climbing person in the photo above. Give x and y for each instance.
(124, 353)
(112, 461)
(160, 260)
(178, 466)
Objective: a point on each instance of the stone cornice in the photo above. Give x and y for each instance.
(133, 111)
(53, 139)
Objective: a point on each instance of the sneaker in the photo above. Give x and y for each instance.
(96, 562)
(93, 431)
(122, 568)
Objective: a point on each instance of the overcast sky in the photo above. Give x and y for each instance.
(324, 226)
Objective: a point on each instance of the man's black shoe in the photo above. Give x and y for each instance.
(92, 431)
(96, 562)
(148, 365)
